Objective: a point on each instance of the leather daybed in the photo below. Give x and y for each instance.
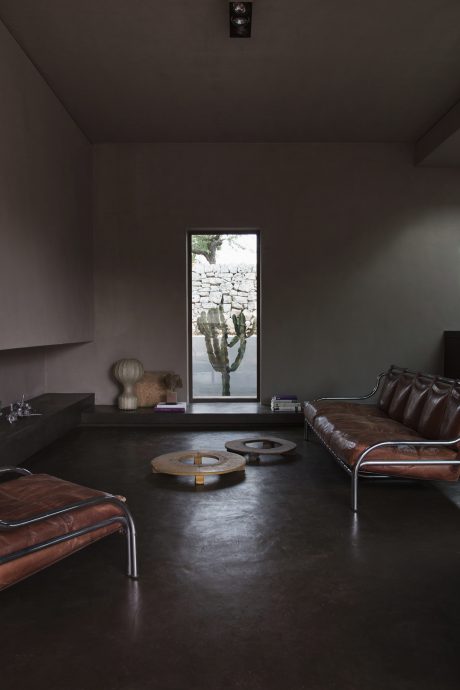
(43, 519)
(412, 431)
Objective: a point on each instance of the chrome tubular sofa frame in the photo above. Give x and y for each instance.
(125, 520)
(360, 397)
(362, 462)
(356, 472)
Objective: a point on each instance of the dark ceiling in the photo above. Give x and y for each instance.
(313, 70)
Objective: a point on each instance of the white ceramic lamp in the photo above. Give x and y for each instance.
(128, 372)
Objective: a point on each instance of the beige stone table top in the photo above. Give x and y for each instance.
(190, 463)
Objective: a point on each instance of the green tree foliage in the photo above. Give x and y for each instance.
(208, 245)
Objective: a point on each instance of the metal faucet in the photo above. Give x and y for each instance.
(21, 409)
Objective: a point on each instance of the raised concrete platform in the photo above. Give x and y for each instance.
(217, 415)
(61, 412)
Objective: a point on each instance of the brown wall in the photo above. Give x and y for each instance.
(367, 244)
(21, 371)
(46, 290)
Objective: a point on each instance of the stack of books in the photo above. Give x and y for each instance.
(171, 407)
(286, 403)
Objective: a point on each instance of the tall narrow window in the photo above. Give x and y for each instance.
(224, 323)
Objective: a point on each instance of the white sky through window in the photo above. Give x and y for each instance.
(243, 250)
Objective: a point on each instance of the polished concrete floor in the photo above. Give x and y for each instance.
(258, 582)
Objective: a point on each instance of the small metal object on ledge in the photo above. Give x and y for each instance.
(20, 409)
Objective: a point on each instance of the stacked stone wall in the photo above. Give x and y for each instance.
(235, 287)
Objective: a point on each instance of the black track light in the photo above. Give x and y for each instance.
(240, 19)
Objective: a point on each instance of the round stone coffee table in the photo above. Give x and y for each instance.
(189, 463)
(269, 446)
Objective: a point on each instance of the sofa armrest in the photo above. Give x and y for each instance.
(14, 470)
(412, 442)
(13, 524)
(361, 397)
(361, 462)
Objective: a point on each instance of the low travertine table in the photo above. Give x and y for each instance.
(270, 446)
(175, 463)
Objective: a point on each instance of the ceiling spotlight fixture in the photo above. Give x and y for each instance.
(240, 19)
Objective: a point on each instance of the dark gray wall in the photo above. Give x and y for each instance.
(46, 290)
(45, 213)
(362, 245)
(21, 371)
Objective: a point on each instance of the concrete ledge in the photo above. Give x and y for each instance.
(61, 412)
(232, 415)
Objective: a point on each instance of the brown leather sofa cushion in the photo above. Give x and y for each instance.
(318, 413)
(27, 496)
(418, 394)
(400, 396)
(432, 414)
(350, 442)
(313, 408)
(450, 428)
(389, 384)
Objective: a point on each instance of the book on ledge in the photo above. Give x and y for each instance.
(294, 407)
(285, 403)
(171, 407)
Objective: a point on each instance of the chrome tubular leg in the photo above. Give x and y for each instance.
(132, 551)
(354, 490)
(131, 542)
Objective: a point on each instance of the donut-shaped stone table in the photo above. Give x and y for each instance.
(269, 446)
(176, 463)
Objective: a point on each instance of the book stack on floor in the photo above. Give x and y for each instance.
(286, 403)
(171, 407)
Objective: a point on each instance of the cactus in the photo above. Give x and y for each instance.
(213, 326)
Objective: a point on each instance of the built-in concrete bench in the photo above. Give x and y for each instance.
(60, 412)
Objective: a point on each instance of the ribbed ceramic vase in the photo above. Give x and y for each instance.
(128, 372)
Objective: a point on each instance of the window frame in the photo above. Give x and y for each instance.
(220, 231)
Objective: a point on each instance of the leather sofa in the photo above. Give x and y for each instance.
(44, 519)
(413, 429)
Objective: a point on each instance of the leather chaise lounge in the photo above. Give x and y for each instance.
(412, 431)
(44, 519)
